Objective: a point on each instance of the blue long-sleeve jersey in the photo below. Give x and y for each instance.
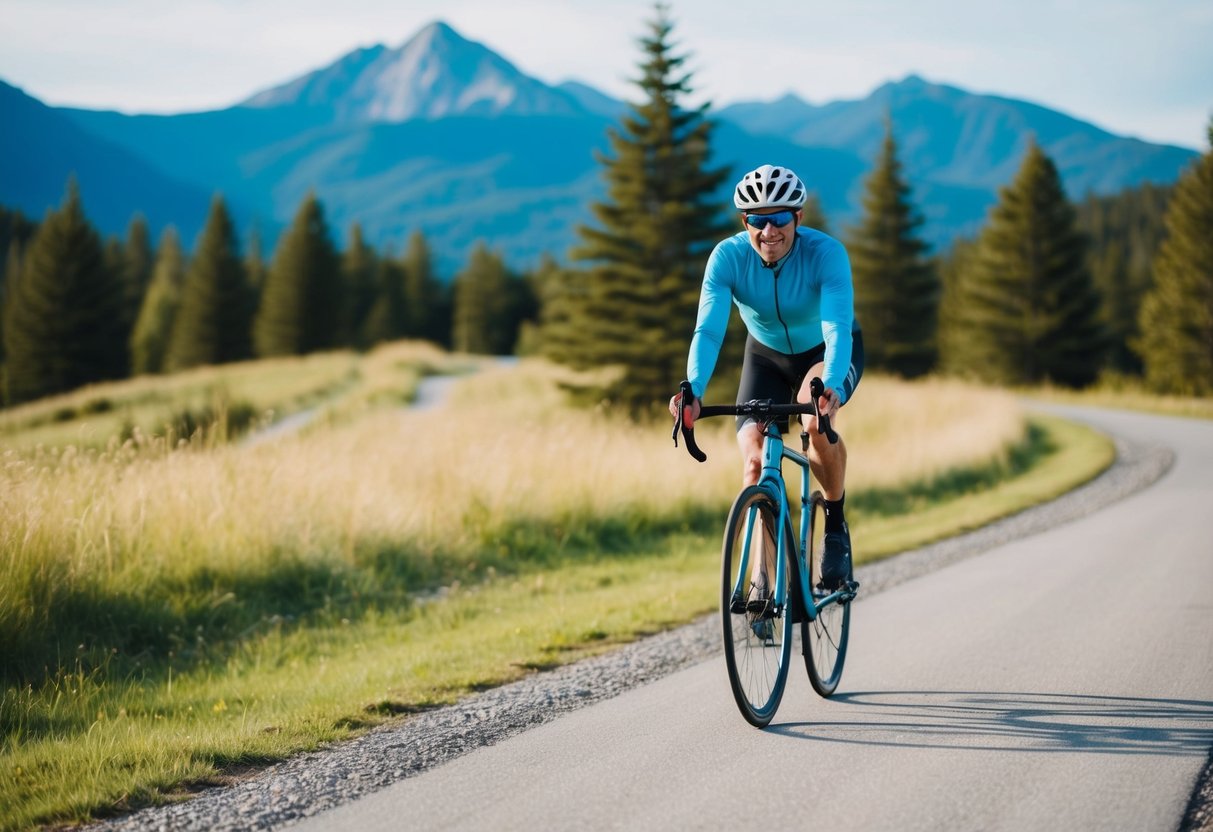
(806, 299)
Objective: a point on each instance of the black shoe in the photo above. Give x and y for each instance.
(760, 603)
(836, 559)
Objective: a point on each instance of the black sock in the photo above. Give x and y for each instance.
(834, 518)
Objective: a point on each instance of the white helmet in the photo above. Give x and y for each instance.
(769, 187)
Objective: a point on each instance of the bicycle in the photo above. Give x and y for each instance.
(758, 618)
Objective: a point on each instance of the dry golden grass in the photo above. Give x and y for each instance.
(504, 453)
(224, 573)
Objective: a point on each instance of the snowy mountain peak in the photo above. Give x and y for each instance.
(435, 73)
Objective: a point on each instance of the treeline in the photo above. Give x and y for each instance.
(1048, 291)
(76, 309)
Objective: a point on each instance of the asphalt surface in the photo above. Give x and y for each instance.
(1052, 671)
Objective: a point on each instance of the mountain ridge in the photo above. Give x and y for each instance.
(400, 139)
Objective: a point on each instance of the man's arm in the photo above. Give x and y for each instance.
(715, 299)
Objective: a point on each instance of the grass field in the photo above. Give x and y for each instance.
(173, 611)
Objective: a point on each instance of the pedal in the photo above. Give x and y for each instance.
(761, 608)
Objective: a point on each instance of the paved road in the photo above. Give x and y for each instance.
(1060, 682)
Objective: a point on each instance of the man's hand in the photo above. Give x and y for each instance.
(689, 414)
(829, 402)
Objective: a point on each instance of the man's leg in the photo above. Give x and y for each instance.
(749, 441)
(764, 546)
(829, 465)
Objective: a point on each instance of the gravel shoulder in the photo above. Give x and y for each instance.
(311, 783)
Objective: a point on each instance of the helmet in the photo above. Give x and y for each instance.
(769, 187)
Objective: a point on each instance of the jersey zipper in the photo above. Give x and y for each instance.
(779, 314)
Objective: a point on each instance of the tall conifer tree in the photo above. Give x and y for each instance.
(301, 304)
(12, 273)
(485, 314)
(63, 317)
(138, 260)
(154, 326)
(427, 302)
(633, 304)
(358, 275)
(1176, 343)
(1125, 231)
(387, 318)
(896, 288)
(212, 324)
(254, 263)
(1027, 307)
(555, 330)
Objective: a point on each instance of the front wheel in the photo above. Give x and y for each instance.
(825, 637)
(757, 626)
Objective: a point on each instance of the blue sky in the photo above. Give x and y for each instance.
(1142, 68)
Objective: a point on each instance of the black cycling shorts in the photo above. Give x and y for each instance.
(770, 374)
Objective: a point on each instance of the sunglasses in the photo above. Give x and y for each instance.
(760, 221)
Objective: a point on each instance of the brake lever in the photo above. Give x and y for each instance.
(685, 398)
(816, 389)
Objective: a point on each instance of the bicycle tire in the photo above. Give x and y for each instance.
(824, 639)
(757, 645)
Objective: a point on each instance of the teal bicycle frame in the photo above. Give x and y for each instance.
(771, 480)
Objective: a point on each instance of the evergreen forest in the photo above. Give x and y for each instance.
(1054, 289)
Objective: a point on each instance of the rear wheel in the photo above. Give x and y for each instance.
(757, 626)
(825, 637)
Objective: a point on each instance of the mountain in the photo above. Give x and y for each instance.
(41, 147)
(442, 135)
(593, 101)
(950, 137)
(437, 73)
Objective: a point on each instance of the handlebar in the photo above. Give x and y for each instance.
(762, 410)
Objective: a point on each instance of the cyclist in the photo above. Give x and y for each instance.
(792, 286)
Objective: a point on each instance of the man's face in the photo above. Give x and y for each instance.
(771, 241)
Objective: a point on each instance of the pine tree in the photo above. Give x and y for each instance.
(14, 229)
(138, 260)
(254, 263)
(12, 273)
(427, 302)
(1125, 231)
(212, 323)
(154, 325)
(551, 333)
(634, 304)
(387, 318)
(63, 313)
(896, 288)
(952, 267)
(301, 304)
(1028, 308)
(1176, 342)
(359, 270)
(486, 305)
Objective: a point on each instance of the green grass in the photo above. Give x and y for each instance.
(1057, 456)
(216, 687)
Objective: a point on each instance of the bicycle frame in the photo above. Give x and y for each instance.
(773, 453)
